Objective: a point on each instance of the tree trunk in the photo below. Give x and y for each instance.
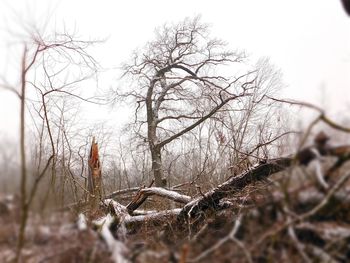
(157, 167)
(155, 149)
(23, 182)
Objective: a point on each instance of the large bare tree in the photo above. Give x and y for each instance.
(181, 79)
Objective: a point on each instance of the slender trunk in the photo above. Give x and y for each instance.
(23, 183)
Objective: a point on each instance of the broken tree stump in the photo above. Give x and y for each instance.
(95, 174)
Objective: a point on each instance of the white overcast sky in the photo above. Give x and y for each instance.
(309, 40)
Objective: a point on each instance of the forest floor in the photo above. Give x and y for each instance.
(268, 223)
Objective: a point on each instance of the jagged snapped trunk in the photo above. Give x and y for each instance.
(95, 175)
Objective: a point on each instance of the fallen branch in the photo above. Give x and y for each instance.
(154, 217)
(122, 191)
(211, 199)
(123, 217)
(116, 247)
(172, 195)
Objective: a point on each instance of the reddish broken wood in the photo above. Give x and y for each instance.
(95, 174)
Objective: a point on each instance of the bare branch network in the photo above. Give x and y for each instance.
(178, 85)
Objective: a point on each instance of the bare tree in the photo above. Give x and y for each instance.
(51, 67)
(179, 85)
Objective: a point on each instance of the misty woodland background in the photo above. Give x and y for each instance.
(214, 165)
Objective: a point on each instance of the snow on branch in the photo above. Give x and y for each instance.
(172, 195)
(153, 217)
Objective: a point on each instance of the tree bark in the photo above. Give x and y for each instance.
(152, 118)
(95, 175)
(23, 186)
(157, 167)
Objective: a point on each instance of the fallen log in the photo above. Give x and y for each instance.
(259, 172)
(211, 199)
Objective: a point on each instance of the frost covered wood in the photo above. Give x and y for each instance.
(151, 217)
(172, 195)
(123, 217)
(81, 223)
(116, 247)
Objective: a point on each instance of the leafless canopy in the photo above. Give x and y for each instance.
(180, 82)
